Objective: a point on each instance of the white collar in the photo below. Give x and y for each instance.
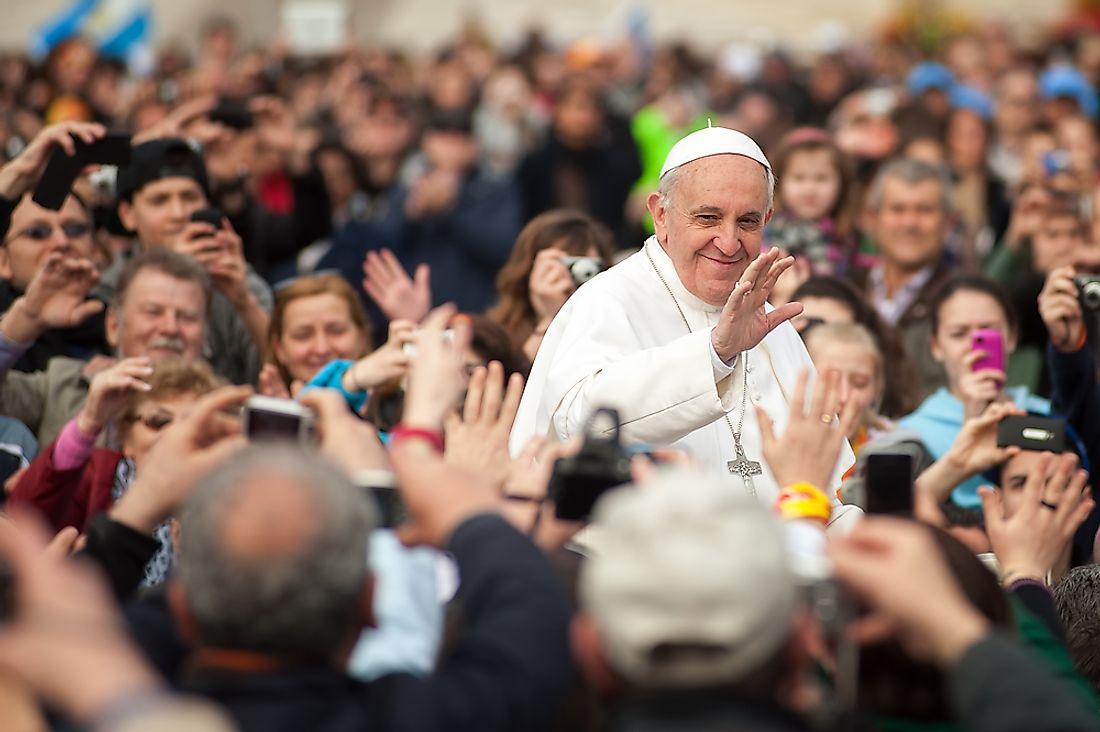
(667, 270)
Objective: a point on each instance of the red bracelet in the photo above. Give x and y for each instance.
(433, 437)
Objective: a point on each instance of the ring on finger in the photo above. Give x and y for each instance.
(1047, 504)
(827, 418)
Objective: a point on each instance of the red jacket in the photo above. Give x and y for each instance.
(68, 497)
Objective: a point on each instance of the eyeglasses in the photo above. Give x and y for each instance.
(156, 421)
(43, 232)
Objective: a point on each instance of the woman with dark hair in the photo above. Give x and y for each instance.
(833, 300)
(963, 305)
(535, 282)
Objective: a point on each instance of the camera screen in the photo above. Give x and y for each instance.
(265, 425)
(889, 482)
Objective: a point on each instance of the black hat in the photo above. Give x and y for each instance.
(167, 157)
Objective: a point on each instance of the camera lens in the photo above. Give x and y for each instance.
(1090, 295)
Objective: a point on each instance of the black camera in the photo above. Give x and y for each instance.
(578, 482)
(1088, 291)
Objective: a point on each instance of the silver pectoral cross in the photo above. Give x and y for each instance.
(743, 466)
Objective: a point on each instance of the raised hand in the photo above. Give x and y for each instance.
(975, 448)
(387, 283)
(391, 361)
(437, 377)
(22, 173)
(345, 439)
(110, 392)
(55, 298)
(810, 446)
(271, 383)
(744, 321)
(478, 440)
(1056, 500)
(980, 388)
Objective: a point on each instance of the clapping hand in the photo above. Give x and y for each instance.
(398, 296)
(1055, 500)
(744, 321)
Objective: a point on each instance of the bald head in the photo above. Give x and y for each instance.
(273, 556)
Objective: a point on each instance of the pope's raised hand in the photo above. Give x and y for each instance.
(744, 321)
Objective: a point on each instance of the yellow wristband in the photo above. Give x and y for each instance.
(803, 501)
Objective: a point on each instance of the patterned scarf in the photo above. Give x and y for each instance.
(156, 571)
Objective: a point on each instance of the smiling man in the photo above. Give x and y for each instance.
(678, 337)
(909, 202)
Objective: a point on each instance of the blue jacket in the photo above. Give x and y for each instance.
(940, 417)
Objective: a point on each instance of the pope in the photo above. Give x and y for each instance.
(679, 337)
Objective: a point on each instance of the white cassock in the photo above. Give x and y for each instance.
(620, 342)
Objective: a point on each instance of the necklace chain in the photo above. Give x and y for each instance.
(744, 371)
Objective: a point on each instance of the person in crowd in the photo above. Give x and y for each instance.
(313, 589)
(159, 311)
(72, 481)
(850, 350)
(165, 183)
(962, 305)
(537, 280)
(583, 164)
(691, 303)
(834, 300)
(1078, 599)
(316, 319)
(1016, 107)
(909, 203)
(978, 198)
(814, 203)
(31, 233)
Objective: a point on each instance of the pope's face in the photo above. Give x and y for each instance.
(712, 224)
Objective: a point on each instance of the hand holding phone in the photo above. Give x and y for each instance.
(62, 169)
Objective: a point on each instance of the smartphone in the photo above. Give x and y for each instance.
(989, 341)
(888, 482)
(233, 113)
(212, 216)
(1032, 433)
(62, 169)
(273, 419)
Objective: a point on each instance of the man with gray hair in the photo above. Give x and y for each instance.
(273, 590)
(679, 338)
(909, 202)
(158, 312)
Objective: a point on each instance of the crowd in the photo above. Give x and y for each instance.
(387, 238)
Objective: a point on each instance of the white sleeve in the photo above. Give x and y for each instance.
(662, 394)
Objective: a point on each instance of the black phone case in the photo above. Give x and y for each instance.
(62, 169)
(1032, 433)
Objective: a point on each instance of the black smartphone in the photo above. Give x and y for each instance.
(888, 482)
(1032, 433)
(210, 216)
(233, 113)
(62, 169)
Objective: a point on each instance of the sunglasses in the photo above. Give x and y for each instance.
(156, 421)
(43, 232)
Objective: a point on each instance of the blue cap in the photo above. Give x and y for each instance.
(929, 75)
(1062, 80)
(975, 100)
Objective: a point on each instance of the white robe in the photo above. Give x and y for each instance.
(619, 341)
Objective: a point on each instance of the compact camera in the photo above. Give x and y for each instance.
(273, 419)
(602, 464)
(1088, 291)
(582, 269)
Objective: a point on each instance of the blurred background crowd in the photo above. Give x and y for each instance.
(286, 220)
